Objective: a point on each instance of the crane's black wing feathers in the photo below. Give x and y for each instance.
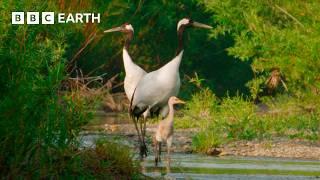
(135, 111)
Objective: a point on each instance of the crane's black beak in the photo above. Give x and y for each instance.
(113, 29)
(200, 25)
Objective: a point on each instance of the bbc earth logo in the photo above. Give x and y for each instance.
(50, 18)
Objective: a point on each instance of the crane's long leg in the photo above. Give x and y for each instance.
(142, 133)
(169, 142)
(144, 129)
(144, 126)
(156, 153)
(139, 137)
(159, 151)
(144, 148)
(136, 126)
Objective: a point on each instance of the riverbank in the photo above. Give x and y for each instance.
(122, 129)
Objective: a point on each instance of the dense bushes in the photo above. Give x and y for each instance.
(35, 121)
(280, 40)
(273, 35)
(39, 122)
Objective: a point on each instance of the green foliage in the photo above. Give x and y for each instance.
(202, 103)
(272, 34)
(107, 160)
(236, 114)
(200, 107)
(34, 120)
(267, 35)
(207, 139)
(236, 118)
(118, 156)
(39, 122)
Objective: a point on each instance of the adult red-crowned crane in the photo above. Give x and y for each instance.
(155, 88)
(133, 72)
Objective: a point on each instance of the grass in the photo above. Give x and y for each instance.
(41, 113)
(237, 118)
(243, 171)
(205, 140)
(54, 153)
(107, 160)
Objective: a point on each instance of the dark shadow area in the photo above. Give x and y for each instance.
(224, 74)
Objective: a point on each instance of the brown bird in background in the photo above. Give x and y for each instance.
(274, 80)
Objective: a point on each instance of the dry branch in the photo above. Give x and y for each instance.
(288, 14)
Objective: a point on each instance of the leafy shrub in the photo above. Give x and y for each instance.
(198, 110)
(206, 139)
(272, 34)
(236, 118)
(39, 122)
(106, 160)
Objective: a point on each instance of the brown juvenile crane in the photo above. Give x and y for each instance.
(164, 132)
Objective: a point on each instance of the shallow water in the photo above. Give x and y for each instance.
(102, 118)
(197, 166)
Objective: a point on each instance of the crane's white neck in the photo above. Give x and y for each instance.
(127, 61)
(174, 64)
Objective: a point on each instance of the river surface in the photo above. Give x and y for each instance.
(198, 166)
(195, 166)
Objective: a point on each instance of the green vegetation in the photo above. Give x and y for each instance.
(280, 40)
(258, 52)
(243, 171)
(272, 34)
(107, 160)
(39, 120)
(236, 118)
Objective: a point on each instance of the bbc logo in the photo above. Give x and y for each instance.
(32, 18)
(48, 17)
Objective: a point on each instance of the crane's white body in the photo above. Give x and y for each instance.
(156, 87)
(133, 74)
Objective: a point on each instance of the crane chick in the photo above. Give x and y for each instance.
(164, 132)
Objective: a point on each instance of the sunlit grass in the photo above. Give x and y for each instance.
(237, 118)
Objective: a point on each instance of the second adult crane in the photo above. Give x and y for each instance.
(155, 88)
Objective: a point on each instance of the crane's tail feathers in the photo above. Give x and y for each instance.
(131, 100)
(135, 111)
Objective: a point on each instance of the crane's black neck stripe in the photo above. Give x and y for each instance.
(180, 39)
(129, 37)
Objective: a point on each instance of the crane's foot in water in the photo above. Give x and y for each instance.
(143, 151)
(156, 160)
